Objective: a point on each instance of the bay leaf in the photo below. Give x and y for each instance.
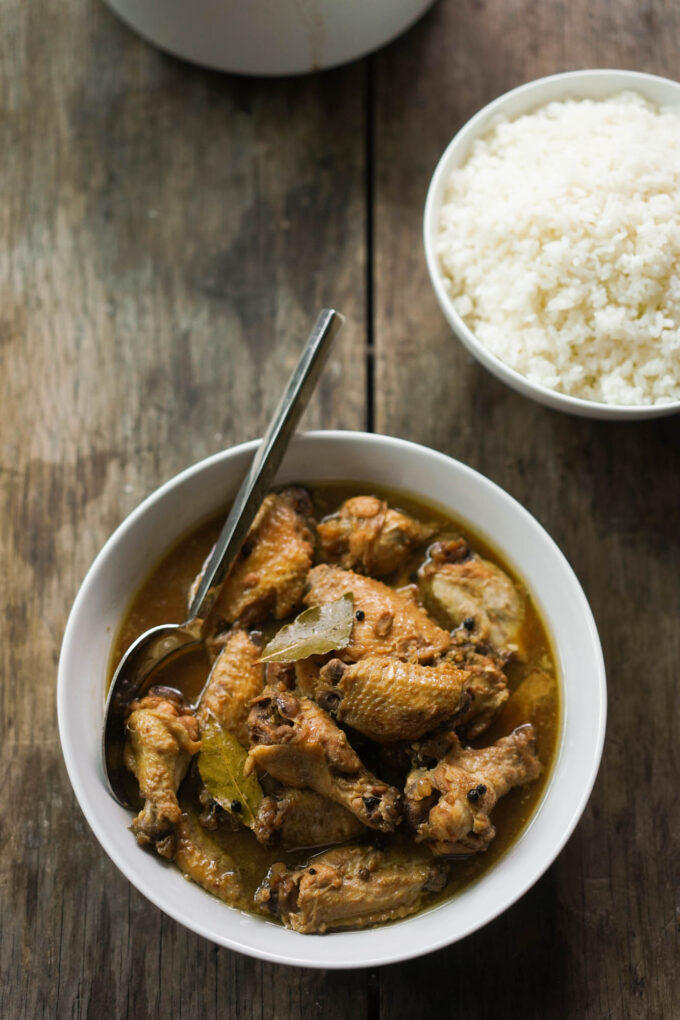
(221, 762)
(316, 631)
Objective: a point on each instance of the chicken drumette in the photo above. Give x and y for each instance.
(448, 806)
(162, 736)
(299, 745)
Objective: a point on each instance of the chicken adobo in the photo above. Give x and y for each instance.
(372, 722)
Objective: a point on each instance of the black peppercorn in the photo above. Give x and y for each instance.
(236, 807)
(476, 792)
(469, 622)
(360, 614)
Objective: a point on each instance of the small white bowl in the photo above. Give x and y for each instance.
(597, 84)
(199, 492)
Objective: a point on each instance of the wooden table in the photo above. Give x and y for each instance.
(167, 236)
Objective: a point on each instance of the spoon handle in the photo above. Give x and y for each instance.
(266, 461)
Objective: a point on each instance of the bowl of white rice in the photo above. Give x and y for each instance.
(552, 238)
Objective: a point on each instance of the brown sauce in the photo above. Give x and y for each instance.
(162, 598)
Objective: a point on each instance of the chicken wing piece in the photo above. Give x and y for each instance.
(293, 819)
(389, 700)
(235, 679)
(299, 745)
(449, 806)
(472, 591)
(368, 535)
(349, 887)
(162, 736)
(269, 575)
(200, 857)
(387, 622)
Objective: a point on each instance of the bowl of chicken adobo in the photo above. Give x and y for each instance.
(392, 726)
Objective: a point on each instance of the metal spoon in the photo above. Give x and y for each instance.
(134, 674)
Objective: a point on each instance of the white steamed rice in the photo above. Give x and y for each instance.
(559, 240)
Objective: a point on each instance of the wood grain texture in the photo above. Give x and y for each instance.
(598, 936)
(166, 235)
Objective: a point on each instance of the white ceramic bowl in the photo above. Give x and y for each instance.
(269, 37)
(596, 84)
(139, 542)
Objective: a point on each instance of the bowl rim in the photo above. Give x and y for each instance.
(333, 958)
(475, 127)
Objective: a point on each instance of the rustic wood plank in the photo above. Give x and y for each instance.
(161, 226)
(167, 238)
(598, 935)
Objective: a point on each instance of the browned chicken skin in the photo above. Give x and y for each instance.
(303, 818)
(269, 575)
(201, 858)
(389, 700)
(449, 806)
(299, 745)
(235, 679)
(469, 589)
(387, 622)
(162, 736)
(349, 887)
(368, 535)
